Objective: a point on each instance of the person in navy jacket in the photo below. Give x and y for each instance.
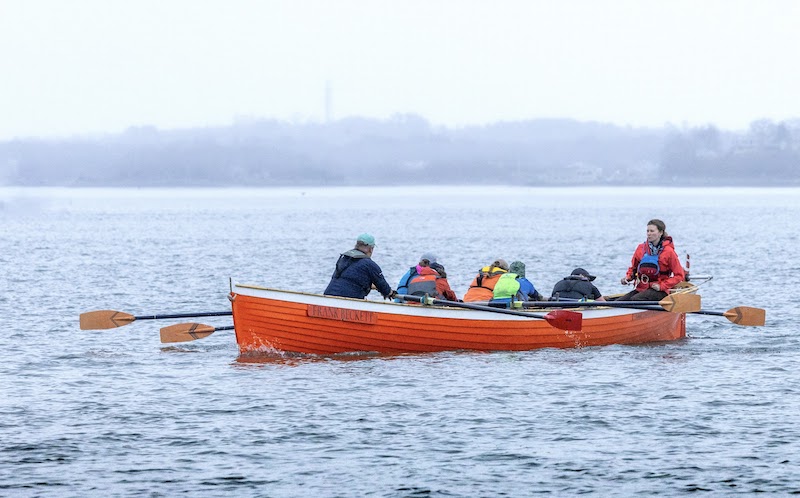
(577, 286)
(356, 273)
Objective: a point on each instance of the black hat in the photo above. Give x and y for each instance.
(439, 269)
(581, 271)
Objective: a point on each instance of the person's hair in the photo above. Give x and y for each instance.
(662, 227)
(424, 262)
(360, 245)
(499, 263)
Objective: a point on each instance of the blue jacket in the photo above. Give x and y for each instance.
(527, 292)
(402, 286)
(354, 276)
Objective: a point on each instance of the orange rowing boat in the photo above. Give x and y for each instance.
(275, 321)
(270, 320)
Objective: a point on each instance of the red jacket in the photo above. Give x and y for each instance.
(670, 269)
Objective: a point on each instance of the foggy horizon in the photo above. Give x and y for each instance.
(249, 119)
(408, 150)
(281, 93)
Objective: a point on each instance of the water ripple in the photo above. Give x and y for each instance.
(114, 412)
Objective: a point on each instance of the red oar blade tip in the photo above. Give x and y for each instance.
(565, 319)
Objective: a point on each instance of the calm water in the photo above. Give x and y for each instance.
(116, 413)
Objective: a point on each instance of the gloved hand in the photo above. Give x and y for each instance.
(625, 281)
(391, 295)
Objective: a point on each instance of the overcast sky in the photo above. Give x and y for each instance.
(89, 66)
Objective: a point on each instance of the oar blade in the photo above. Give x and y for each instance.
(185, 332)
(747, 316)
(104, 319)
(565, 319)
(681, 303)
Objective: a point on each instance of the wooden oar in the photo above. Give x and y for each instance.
(675, 303)
(741, 315)
(185, 332)
(560, 319)
(109, 319)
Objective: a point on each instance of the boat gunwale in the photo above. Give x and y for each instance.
(422, 311)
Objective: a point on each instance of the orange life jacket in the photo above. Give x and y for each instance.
(482, 288)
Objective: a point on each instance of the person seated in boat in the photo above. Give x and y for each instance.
(356, 274)
(513, 286)
(442, 285)
(505, 290)
(431, 279)
(402, 286)
(578, 285)
(655, 268)
(482, 287)
(527, 291)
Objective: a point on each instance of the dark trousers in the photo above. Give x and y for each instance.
(645, 295)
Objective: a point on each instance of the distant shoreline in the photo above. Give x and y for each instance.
(407, 151)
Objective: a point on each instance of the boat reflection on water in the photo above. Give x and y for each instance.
(290, 359)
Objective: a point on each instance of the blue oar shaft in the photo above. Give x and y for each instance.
(184, 315)
(469, 306)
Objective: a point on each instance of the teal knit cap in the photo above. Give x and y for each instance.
(517, 267)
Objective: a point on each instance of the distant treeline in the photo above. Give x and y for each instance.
(406, 149)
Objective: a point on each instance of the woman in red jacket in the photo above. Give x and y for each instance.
(655, 268)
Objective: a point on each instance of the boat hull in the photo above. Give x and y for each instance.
(269, 321)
